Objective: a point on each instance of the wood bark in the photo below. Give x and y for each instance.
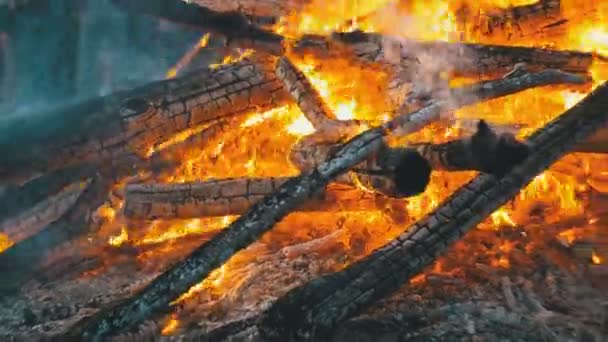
(32, 220)
(461, 58)
(20, 262)
(130, 123)
(225, 18)
(507, 21)
(234, 197)
(264, 214)
(315, 309)
(17, 198)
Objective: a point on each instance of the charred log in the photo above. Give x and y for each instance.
(229, 22)
(314, 310)
(19, 262)
(507, 20)
(31, 221)
(17, 198)
(233, 197)
(309, 100)
(460, 58)
(132, 122)
(288, 197)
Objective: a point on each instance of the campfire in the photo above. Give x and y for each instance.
(380, 170)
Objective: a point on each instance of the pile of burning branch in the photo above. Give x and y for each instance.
(241, 200)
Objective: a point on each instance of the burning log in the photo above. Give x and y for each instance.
(487, 22)
(265, 213)
(391, 172)
(132, 122)
(15, 199)
(29, 222)
(312, 311)
(228, 20)
(19, 262)
(461, 58)
(231, 197)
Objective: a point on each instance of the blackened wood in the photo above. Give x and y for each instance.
(17, 198)
(233, 25)
(264, 214)
(19, 262)
(314, 310)
(132, 122)
(460, 58)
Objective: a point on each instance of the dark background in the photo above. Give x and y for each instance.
(58, 51)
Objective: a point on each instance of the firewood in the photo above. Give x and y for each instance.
(504, 21)
(388, 172)
(19, 262)
(17, 198)
(309, 100)
(130, 123)
(460, 58)
(232, 197)
(227, 20)
(31, 221)
(264, 214)
(314, 310)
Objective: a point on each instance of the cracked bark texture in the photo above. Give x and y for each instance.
(233, 197)
(225, 18)
(309, 100)
(15, 199)
(129, 123)
(315, 309)
(461, 58)
(32, 220)
(508, 19)
(264, 214)
(19, 262)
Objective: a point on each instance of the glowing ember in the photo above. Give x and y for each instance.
(188, 56)
(171, 326)
(118, 240)
(595, 258)
(259, 145)
(5, 242)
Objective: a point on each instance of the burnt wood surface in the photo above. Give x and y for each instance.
(130, 123)
(233, 197)
(314, 310)
(264, 214)
(19, 263)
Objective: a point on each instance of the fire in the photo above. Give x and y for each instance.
(170, 327)
(259, 144)
(595, 258)
(5, 242)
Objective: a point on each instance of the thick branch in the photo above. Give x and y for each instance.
(18, 263)
(314, 310)
(309, 100)
(229, 21)
(232, 197)
(131, 122)
(266, 213)
(31, 221)
(505, 20)
(461, 58)
(17, 198)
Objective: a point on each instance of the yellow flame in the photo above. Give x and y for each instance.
(5, 242)
(171, 326)
(501, 218)
(300, 126)
(595, 258)
(119, 239)
(187, 58)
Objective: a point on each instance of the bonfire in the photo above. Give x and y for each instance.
(373, 170)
